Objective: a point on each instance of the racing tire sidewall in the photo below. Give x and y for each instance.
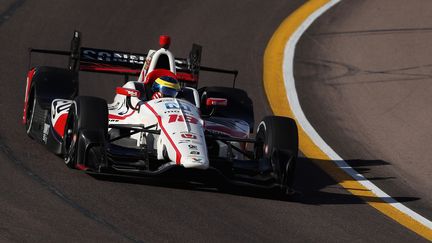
(30, 111)
(277, 142)
(70, 139)
(87, 114)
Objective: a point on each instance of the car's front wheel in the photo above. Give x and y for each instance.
(70, 138)
(277, 145)
(86, 133)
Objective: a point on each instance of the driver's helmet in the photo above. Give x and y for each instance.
(165, 86)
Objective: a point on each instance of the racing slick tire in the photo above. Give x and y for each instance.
(47, 84)
(35, 117)
(277, 144)
(84, 142)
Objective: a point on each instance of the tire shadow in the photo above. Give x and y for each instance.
(316, 187)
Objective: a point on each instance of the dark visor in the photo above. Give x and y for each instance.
(168, 92)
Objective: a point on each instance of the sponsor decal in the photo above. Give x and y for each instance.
(59, 113)
(45, 132)
(61, 105)
(172, 111)
(184, 107)
(197, 159)
(180, 118)
(188, 135)
(192, 146)
(110, 56)
(132, 93)
(127, 92)
(148, 61)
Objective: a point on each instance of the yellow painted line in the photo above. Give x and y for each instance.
(277, 97)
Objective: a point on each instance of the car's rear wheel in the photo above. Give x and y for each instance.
(47, 84)
(277, 145)
(31, 103)
(35, 117)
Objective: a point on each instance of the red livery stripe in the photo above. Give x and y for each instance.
(81, 167)
(27, 94)
(60, 124)
(178, 154)
(98, 67)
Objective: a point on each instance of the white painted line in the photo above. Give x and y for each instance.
(311, 132)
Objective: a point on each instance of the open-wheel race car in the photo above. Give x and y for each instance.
(204, 129)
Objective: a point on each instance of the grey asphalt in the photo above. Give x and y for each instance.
(43, 201)
(363, 77)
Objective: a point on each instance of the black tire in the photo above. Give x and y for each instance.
(70, 138)
(277, 144)
(55, 83)
(47, 84)
(87, 115)
(35, 116)
(30, 116)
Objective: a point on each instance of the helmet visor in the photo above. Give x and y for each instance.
(168, 92)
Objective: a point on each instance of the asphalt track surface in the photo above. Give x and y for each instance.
(41, 200)
(371, 73)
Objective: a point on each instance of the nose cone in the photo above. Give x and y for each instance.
(182, 135)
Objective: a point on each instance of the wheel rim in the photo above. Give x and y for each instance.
(70, 138)
(260, 145)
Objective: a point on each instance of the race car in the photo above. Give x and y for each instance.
(199, 129)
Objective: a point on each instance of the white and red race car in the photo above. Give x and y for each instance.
(203, 130)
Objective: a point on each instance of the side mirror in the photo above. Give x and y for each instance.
(128, 92)
(216, 102)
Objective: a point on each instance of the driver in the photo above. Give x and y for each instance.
(165, 86)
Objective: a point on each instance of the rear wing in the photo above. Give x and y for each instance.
(129, 64)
